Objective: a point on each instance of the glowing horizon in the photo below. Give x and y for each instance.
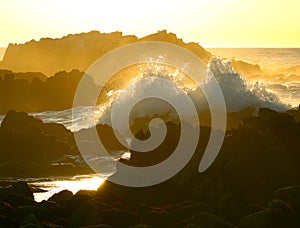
(215, 23)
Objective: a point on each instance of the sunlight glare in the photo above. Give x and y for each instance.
(74, 185)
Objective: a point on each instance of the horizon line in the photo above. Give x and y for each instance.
(229, 47)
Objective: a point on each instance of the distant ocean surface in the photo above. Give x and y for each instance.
(271, 58)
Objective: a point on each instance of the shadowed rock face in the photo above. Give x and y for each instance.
(78, 51)
(295, 112)
(26, 138)
(258, 158)
(29, 147)
(39, 94)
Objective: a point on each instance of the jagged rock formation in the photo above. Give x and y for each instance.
(78, 51)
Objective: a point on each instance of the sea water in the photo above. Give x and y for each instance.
(270, 58)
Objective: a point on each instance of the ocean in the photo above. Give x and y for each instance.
(281, 68)
(282, 81)
(272, 58)
(267, 58)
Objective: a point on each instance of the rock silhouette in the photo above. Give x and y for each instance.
(30, 147)
(254, 182)
(78, 51)
(53, 93)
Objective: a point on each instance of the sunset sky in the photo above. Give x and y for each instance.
(212, 23)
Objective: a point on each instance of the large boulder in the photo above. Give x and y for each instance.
(203, 220)
(86, 215)
(26, 138)
(61, 197)
(277, 214)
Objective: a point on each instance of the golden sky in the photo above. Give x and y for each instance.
(212, 23)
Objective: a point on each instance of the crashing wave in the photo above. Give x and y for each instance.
(238, 95)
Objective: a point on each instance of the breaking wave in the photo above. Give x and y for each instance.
(237, 93)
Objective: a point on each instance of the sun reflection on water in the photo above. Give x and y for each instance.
(85, 182)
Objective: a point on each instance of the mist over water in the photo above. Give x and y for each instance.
(271, 58)
(280, 69)
(233, 86)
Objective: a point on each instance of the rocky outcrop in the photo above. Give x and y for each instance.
(29, 147)
(245, 186)
(26, 138)
(85, 210)
(295, 112)
(262, 152)
(53, 93)
(77, 51)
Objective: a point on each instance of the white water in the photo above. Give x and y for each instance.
(237, 94)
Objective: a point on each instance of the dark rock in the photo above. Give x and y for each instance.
(295, 112)
(291, 195)
(86, 192)
(21, 188)
(120, 218)
(18, 200)
(9, 222)
(19, 121)
(17, 194)
(62, 197)
(187, 209)
(85, 215)
(283, 193)
(31, 221)
(277, 214)
(40, 213)
(98, 226)
(7, 210)
(204, 219)
(76, 201)
(232, 208)
(55, 211)
(26, 138)
(160, 216)
(140, 226)
(32, 148)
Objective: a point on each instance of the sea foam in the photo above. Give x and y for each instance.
(237, 94)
